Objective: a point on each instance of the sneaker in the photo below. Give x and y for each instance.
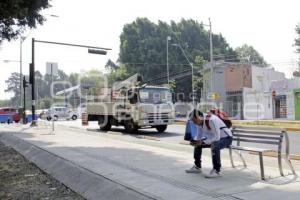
(213, 174)
(194, 170)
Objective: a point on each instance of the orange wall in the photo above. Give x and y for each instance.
(237, 76)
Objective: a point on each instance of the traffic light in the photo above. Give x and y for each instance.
(25, 83)
(97, 51)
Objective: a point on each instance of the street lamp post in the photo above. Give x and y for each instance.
(192, 66)
(168, 38)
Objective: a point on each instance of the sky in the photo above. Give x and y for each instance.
(269, 26)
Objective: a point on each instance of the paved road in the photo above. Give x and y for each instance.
(173, 134)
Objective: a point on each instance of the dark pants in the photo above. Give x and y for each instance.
(216, 152)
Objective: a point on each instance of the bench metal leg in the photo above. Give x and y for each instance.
(242, 158)
(261, 162)
(288, 161)
(244, 162)
(280, 164)
(231, 158)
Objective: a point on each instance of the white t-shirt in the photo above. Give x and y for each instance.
(217, 129)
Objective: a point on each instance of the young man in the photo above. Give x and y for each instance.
(219, 137)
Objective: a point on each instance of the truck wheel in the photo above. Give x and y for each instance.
(161, 128)
(106, 126)
(74, 117)
(130, 127)
(55, 117)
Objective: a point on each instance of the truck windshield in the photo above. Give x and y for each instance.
(155, 95)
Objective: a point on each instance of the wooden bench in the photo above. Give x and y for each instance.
(263, 136)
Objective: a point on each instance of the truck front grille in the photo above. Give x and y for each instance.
(152, 116)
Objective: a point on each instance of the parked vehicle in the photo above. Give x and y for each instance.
(12, 114)
(132, 106)
(61, 112)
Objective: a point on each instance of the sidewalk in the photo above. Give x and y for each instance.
(131, 168)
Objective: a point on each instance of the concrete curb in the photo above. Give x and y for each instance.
(83, 181)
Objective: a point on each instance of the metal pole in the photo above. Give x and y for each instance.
(168, 38)
(24, 103)
(211, 56)
(21, 76)
(52, 108)
(33, 123)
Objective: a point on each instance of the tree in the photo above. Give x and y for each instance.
(110, 65)
(4, 103)
(93, 81)
(13, 86)
(117, 74)
(249, 54)
(16, 15)
(297, 45)
(73, 78)
(143, 50)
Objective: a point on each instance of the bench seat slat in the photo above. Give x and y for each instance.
(250, 149)
(271, 129)
(257, 136)
(256, 141)
(256, 132)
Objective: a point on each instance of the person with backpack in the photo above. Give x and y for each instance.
(219, 136)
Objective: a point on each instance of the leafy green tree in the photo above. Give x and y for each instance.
(117, 74)
(73, 78)
(92, 81)
(4, 103)
(143, 50)
(16, 15)
(44, 103)
(13, 86)
(297, 45)
(198, 84)
(249, 54)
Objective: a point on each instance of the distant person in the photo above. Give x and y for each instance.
(218, 137)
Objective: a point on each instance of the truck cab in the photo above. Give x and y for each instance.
(149, 106)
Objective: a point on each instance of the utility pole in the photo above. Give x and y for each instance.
(168, 38)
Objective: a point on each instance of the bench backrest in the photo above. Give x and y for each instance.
(263, 135)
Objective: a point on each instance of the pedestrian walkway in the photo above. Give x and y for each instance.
(137, 169)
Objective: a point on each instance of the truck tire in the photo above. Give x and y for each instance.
(161, 128)
(105, 126)
(130, 127)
